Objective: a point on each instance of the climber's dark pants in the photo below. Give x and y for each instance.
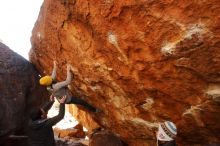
(79, 101)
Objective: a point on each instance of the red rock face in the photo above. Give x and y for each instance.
(19, 91)
(141, 62)
(104, 138)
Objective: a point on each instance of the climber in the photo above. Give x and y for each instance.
(166, 134)
(40, 132)
(58, 89)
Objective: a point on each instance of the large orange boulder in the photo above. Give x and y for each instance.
(140, 62)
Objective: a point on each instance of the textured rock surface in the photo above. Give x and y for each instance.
(70, 132)
(104, 138)
(83, 117)
(141, 62)
(19, 91)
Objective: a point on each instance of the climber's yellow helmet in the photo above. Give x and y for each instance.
(46, 80)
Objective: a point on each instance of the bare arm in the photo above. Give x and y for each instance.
(66, 82)
(56, 119)
(54, 74)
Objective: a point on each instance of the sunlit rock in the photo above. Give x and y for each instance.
(139, 62)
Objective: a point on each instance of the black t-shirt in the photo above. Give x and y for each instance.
(40, 132)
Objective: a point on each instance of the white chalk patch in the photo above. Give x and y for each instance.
(198, 29)
(38, 35)
(148, 105)
(112, 38)
(97, 64)
(168, 48)
(213, 90)
(84, 129)
(117, 101)
(110, 69)
(193, 29)
(195, 113)
(95, 88)
(102, 66)
(192, 110)
(146, 123)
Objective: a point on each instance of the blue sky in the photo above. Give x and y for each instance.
(17, 21)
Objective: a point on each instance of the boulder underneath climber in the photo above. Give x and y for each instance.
(104, 138)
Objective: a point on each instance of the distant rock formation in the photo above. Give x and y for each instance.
(140, 62)
(19, 91)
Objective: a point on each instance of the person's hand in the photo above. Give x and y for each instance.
(63, 99)
(68, 67)
(54, 63)
(74, 70)
(51, 97)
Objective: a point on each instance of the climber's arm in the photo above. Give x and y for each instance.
(66, 82)
(56, 119)
(54, 70)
